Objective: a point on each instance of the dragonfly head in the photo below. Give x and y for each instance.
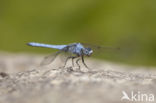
(87, 51)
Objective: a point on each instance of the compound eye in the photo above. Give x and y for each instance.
(88, 49)
(91, 51)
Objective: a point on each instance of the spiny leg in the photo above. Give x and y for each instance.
(73, 60)
(72, 57)
(82, 57)
(77, 62)
(66, 61)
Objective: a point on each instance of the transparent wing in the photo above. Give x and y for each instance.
(98, 50)
(50, 58)
(63, 56)
(100, 47)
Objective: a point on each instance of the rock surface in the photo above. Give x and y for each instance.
(22, 80)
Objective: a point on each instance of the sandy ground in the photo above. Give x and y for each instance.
(22, 80)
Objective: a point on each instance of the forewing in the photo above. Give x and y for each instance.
(50, 58)
(100, 49)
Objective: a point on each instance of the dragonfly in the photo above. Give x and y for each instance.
(79, 50)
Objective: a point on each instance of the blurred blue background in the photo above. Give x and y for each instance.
(128, 24)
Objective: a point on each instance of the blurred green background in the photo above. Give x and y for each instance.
(128, 24)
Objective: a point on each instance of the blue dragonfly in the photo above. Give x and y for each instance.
(75, 48)
(78, 49)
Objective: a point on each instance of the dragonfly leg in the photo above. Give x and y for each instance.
(82, 57)
(77, 62)
(73, 60)
(70, 57)
(66, 61)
